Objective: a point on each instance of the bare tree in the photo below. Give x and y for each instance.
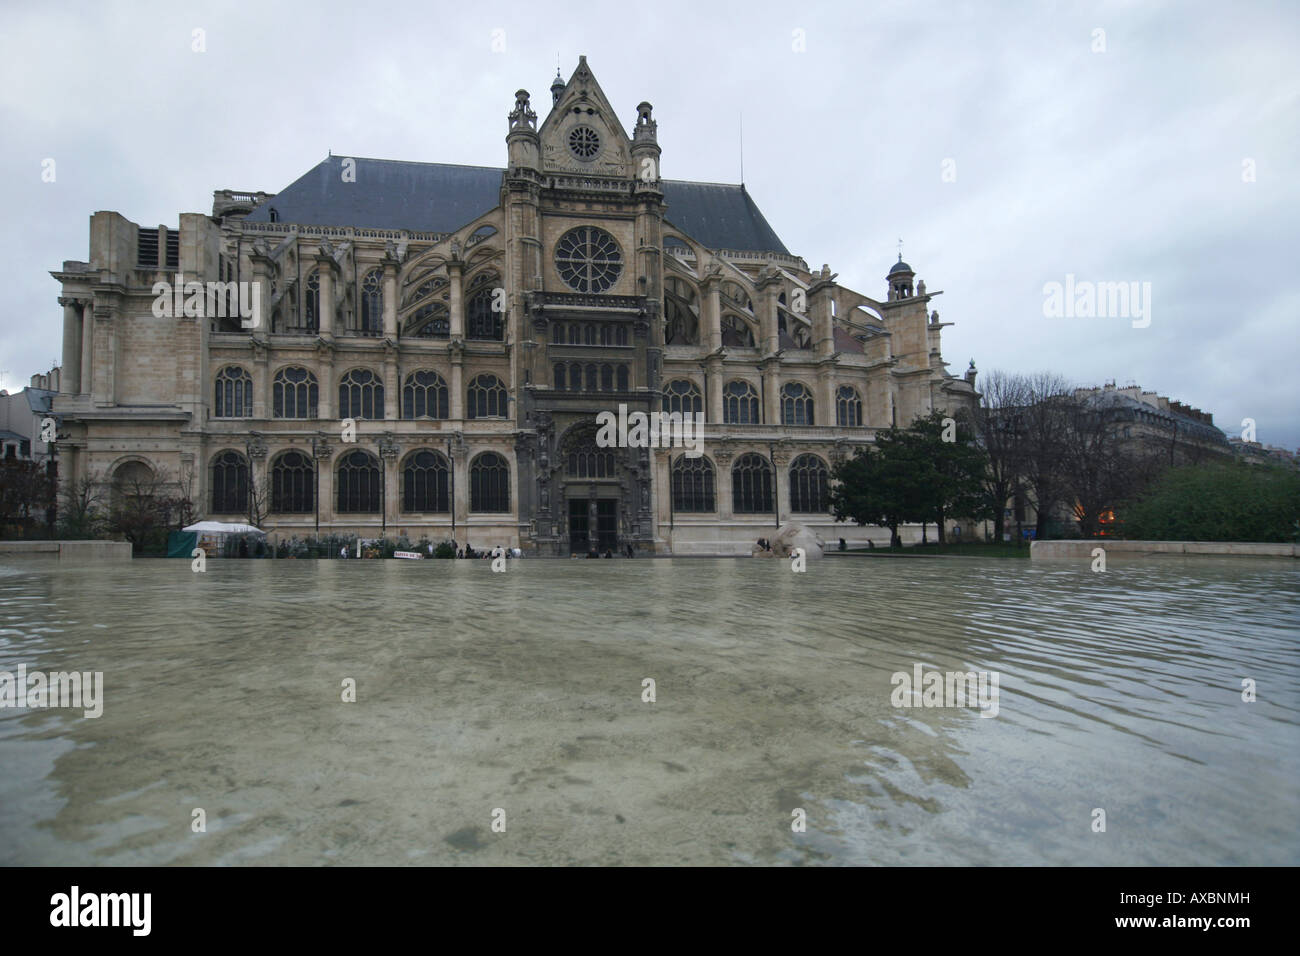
(81, 506)
(999, 430)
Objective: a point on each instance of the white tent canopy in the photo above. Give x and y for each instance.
(221, 527)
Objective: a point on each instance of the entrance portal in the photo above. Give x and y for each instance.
(579, 540)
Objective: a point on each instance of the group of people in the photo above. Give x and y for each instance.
(628, 552)
(764, 544)
(469, 552)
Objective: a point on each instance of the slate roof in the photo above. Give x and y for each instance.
(435, 197)
(39, 399)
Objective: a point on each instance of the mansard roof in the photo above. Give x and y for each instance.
(436, 197)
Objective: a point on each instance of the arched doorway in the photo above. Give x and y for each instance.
(594, 481)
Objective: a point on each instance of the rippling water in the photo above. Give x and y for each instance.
(523, 691)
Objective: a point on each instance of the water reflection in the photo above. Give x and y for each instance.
(523, 691)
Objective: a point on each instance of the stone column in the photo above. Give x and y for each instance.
(390, 298)
(70, 379)
(457, 408)
(262, 401)
(711, 312)
(461, 502)
(772, 392)
(713, 401)
(769, 288)
(824, 406)
(455, 302)
(392, 394)
(325, 483)
(325, 266)
(388, 457)
(325, 382)
(87, 347)
(722, 486)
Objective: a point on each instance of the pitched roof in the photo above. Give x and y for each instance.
(436, 197)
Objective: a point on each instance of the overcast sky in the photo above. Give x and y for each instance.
(1128, 163)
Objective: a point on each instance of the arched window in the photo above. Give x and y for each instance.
(372, 303)
(588, 334)
(424, 395)
(622, 378)
(487, 398)
(751, 485)
(683, 396)
(740, 404)
(293, 484)
(796, 404)
(229, 483)
(484, 323)
(575, 377)
(293, 393)
(489, 483)
(809, 485)
(585, 459)
(575, 333)
(358, 483)
(234, 398)
(557, 333)
(559, 376)
(693, 482)
(620, 335)
(361, 395)
(848, 407)
(591, 378)
(425, 482)
(607, 378)
(311, 302)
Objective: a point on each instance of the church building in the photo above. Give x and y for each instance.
(430, 347)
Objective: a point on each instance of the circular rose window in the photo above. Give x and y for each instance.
(584, 142)
(588, 259)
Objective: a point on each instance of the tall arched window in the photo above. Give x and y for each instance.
(425, 482)
(484, 323)
(293, 484)
(607, 378)
(487, 398)
(424, 395)
(693, 482)
(358, 483)
(848, 407)
(796, 404)
(361, 395)
(311, 302)
(234, 397)
(229, 483)
(585, 459)
(489, 483)
(622, 378)
(559, 376)
(740, 404)
(751, 485)
(589, 334)
(293, 393)
(372, 302)
(809, 485)
(591, 378)
(683, 396)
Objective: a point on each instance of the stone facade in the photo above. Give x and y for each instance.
(473, 346)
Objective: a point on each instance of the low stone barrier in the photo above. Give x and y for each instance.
(1077, 549)
(69, 550)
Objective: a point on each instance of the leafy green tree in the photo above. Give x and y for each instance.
(950, 473)
(1217, 502)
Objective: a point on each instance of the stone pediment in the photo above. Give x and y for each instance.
(582, 134)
